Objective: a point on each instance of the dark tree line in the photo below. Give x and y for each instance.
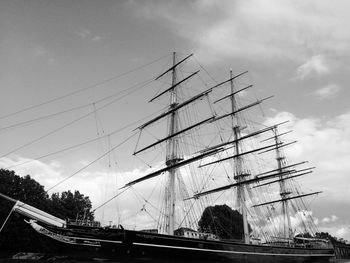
(17, 234)
(71, 205)
(222, 221)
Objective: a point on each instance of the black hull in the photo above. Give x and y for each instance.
(135, 246)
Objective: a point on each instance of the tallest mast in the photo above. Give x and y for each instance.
(238, 163)
(172, 153)
(173, 160)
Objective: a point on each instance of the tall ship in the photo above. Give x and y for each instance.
(210, 148)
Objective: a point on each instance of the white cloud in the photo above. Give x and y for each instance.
(327, 92)
(97, 38)
(84, 33)
(100, 185)
(326, 145)
(330, 219)
(42, 53)
(343, 231)
(88, 35)
(333, 218)
(273, 29)
(302, 218)
(45, 174)
(315, 65)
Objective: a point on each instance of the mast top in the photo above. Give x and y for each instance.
(174, 66)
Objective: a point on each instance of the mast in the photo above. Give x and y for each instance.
(174, 159)
(238, 172)
(287, 231)
(172, 152)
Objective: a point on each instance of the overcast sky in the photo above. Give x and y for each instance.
(296, 50)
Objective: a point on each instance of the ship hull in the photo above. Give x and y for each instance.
(127, 245)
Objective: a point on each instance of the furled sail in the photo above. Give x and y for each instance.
(35, 213)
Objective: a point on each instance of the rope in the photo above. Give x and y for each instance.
(100, 157)
(106, 202)
(79, 144)
(82, 89)
(7, 218)
(69, 123)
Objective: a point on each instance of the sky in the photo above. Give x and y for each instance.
(297, 51)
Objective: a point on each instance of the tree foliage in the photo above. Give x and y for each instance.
(16, 235)
(325, 235)
(222, 221)
(72, 205)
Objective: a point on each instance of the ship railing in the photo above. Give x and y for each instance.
(312, 242)
(84, 222)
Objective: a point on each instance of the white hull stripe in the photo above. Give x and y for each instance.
(236, 252)
(71, 243)
(87, 239)
(67, 242)
(99, 240)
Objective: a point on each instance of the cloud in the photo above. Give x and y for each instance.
(97, 38)
(325, 143)
(315, 65)
(42, 53)
(84, 33)
(343, 231)
(88, 35)
(273, 29)
(302, 218)
(330, 219)
(99, 185)
(327, 92)
(301, 221)
(45, 174)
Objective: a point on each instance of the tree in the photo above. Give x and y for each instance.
(222, 221)
(72, 205)
(16, 235)
(325, 235)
